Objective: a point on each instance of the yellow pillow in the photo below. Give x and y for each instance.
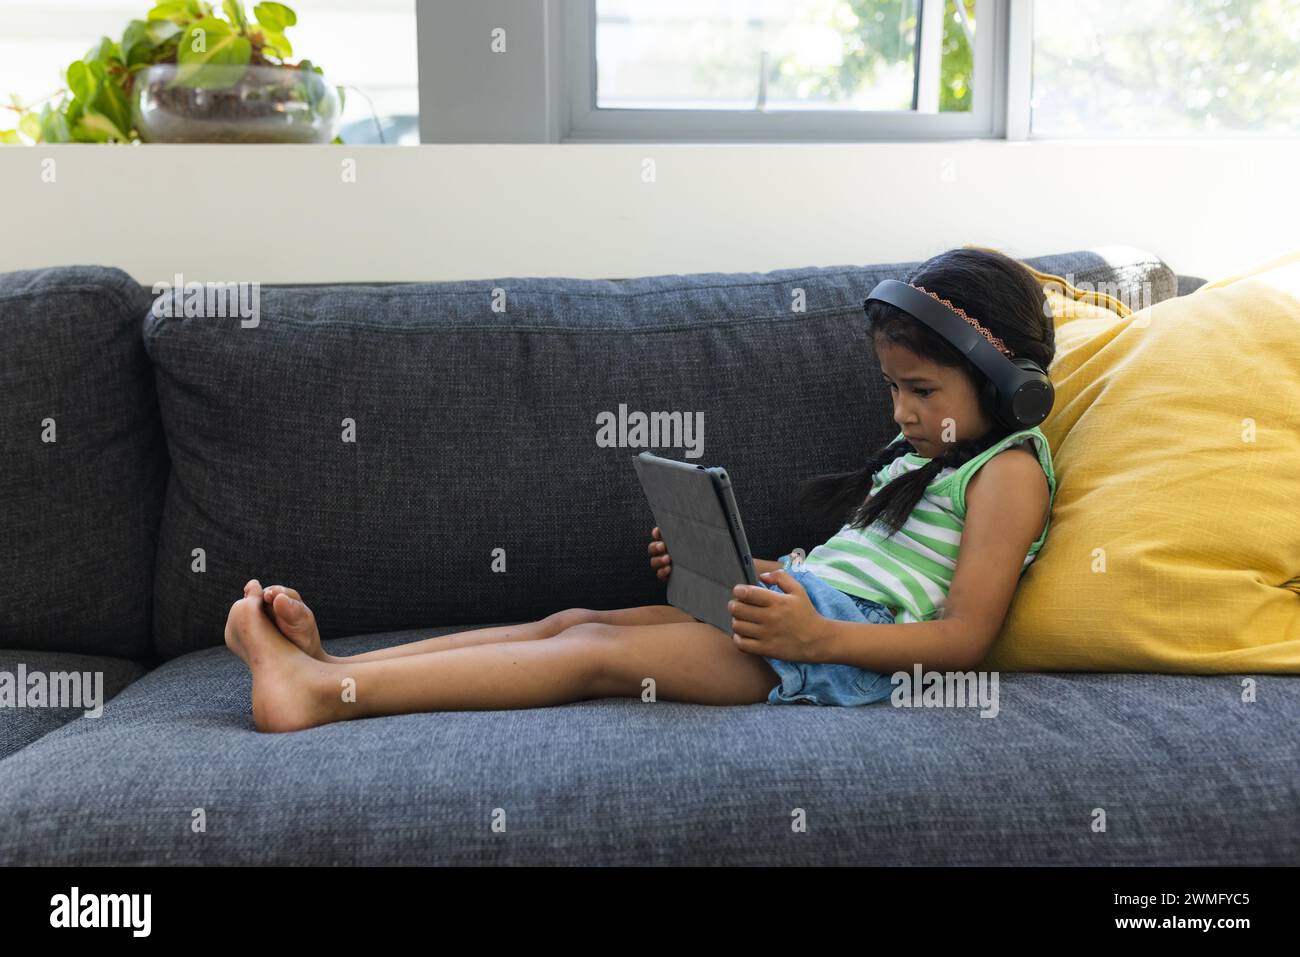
(1175, 538)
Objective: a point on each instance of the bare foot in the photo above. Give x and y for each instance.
(292, 616)
(291, 691)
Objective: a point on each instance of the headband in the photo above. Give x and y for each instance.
(993, 340)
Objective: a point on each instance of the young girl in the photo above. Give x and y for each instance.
(884, 594)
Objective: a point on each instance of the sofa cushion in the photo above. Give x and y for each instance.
(1186, 772)
(99, 679)
(408, 454)
(1175, 545)
(79, 515)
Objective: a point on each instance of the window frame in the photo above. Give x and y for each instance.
(999, 107)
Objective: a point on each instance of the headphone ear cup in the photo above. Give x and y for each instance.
(1036, 371)
(993, 401)
(1005, 414)
(1029, 365)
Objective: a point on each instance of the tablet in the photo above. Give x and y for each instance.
(695, 509)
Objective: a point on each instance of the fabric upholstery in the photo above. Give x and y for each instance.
(477, 487)
(79, 515)
(20, 726)
(1186, 773)
(1175, 545)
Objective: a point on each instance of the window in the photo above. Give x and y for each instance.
(711, 71)
(1166, 68)
(779, 55)
(781, 69)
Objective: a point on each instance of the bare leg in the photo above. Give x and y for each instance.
(686, 662)
(297, 623)
(691, 662)
(548, 627)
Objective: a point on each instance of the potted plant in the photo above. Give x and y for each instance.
(185, 74)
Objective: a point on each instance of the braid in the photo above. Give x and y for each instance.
(894, 502)
(830, 496)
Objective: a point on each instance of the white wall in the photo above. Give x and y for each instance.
(284, 214)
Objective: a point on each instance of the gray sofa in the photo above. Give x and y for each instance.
(190, 455)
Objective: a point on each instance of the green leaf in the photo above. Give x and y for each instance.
(178, 11)
(160, 31)
(99, 125)
(135, 41)
(210, 67)
(143, 40)
(235, 14)
(166, 51)
(95, 91)
(30, 125)
(103, 51)
(10, 137)
(277, 42)
(114, 105)
(81, 81)
(81, 133)
(274, 16)
(54, 127)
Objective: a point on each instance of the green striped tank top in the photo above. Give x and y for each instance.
(911, 572)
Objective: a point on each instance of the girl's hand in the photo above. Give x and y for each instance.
(786, 626)
(659, 557)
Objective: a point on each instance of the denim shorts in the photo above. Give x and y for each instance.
(824, 683)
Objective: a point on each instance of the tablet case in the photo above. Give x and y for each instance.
(695, 509)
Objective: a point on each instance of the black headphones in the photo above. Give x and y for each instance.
(1017, 388)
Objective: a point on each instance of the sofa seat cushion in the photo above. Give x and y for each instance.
(78, 681)
(1186, 773)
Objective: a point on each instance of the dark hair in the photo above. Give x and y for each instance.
(1007, 299)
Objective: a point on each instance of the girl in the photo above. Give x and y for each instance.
(884, 594)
